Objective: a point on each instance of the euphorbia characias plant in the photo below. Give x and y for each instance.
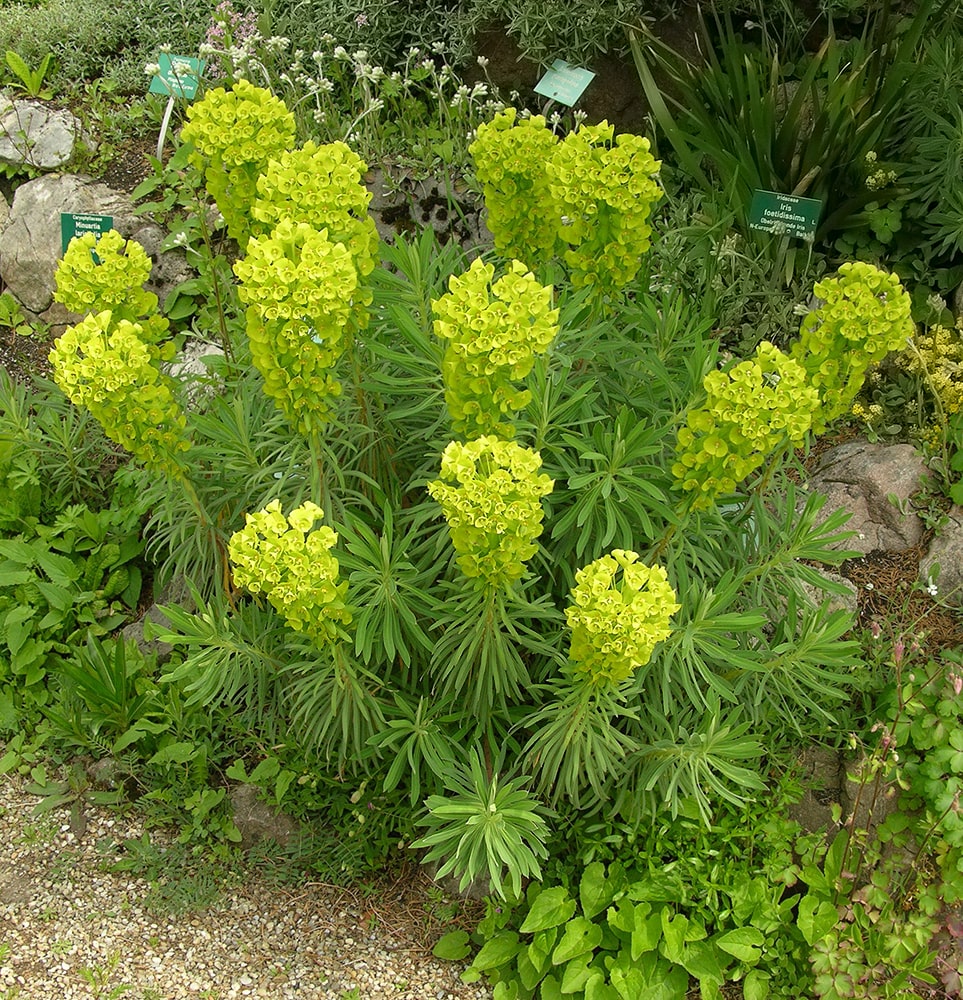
(110, 361)
(323, 187)
(109, 272)
(751, 410)
(864, 314)
(298, 286)
(510, 153)
(109, 367)
(288, 559)
(235, 133)
(587, 198)
(603, 190)
(494, 330)
(620, 611)
(490, 493)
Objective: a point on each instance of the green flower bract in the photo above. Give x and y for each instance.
(288, 560)
(620, 610)
(490, 492)
(494, 332)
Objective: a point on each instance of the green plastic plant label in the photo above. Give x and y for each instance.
(178, 75)
(784, 214)
(72, 225)
(564, 82)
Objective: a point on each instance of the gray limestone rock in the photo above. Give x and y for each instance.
(35, 135)
(946, 551)
(257, 821)
(861, 477)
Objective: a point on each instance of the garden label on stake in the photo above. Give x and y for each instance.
(178, 76)
(564, 82)
(785, 214)
(72, 225)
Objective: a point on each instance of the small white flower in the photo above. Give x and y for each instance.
(152, 69)
(482, 61)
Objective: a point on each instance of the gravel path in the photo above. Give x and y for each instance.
(70, 928)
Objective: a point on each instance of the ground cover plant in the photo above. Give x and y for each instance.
(498, 554)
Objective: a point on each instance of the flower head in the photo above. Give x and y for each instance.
(490, 492)
(288, 560)
(620, 610)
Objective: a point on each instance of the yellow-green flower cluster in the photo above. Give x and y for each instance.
(323, 186)
(108, 272)
(235, 132)
(288, 560)
(490, 493)
(493, 331)
(937, 355)
(590, 195)
(603, 195)
(107, 366)
(865, 314)
(750, 410)
(510, 155)
(299, 288)
(620, 610)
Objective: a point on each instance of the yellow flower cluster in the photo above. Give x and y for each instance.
(591, 195)
(750, 411)
(235, 132)
(288, 560)
(603, 195)
(108, 367)
(620, 610)
(864, 315)
(937, 355)
(108, 272)
(324, 187)
(490, 492)
(493, 333)
(510, 154)
(871, 414)
(299, 288)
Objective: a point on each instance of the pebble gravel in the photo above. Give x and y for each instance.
(71, 928)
